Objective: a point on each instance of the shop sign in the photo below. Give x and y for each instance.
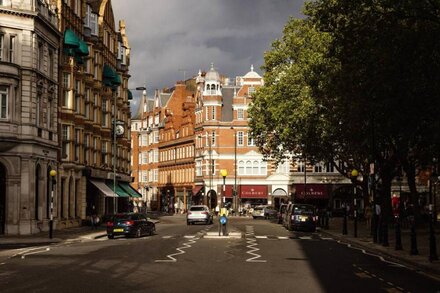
(253, 191)
(319, 191)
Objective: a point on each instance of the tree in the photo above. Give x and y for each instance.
(355, 81)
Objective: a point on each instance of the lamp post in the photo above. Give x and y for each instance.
(354, 174)
(53, 175)
(234, 194)
(397, 217)
(222, 222)
(210, 168)
(432, 242)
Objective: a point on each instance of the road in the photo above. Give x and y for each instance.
(178, 259)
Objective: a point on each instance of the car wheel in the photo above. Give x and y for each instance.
(110, 236)
(138, 233)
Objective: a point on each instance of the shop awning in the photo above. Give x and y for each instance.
(103, 188)
(130, 190)
(118, 189)
(197, 189)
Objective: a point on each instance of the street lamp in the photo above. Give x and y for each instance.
(222, 219)
(432, 242)
(210, 166)
(53, 175)
(234, 194)
(397, 215)
(354, 174)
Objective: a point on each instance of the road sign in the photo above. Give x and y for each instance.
(223, 220)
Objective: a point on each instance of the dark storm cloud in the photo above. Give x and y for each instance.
(168, 37)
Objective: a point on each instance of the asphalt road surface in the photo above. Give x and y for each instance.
(268, 258)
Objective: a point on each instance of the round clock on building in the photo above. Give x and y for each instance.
(119, 129)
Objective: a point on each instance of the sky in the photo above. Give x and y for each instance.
(172, 39)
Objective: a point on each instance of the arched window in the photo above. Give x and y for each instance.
(263, 168)
(213, 87)
(255, 167)
(241, 168)
(248, 167)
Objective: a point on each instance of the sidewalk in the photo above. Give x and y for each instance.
(365, 241)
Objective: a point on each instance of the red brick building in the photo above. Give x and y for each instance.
(202, 128)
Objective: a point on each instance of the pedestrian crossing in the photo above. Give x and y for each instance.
(262, 237)
(313, 237)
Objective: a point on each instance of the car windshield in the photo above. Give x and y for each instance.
(298, 210)
(122, 217)
(197, 209)
(258, 208)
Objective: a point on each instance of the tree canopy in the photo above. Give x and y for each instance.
(354, 81)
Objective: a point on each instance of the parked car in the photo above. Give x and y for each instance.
(258, 212)
(129, 224)
(281, 212)
(270, 212)
(199, 213)
(302, 217)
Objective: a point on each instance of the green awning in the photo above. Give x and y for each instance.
(118, 190)
(116, 80)
(130, 95)
(108, 73)
(83, 49)
(130, 190)
(70, 39)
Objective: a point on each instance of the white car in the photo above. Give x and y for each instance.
(199, 214)
(258, 212)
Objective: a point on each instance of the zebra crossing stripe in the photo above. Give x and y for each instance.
(261, 237)
(283, 237)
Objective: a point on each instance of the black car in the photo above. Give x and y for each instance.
(302, 217)
(129, 224)
(281, 212)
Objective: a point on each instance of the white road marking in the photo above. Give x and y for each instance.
(34, 252)
(171, 257)
(371, 254)
(261, 237)
(189, 236)
(283, 237)
(305, 237)
(252, 242)
(166, 237)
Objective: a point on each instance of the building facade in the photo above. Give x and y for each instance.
(29, 49)
(202, 129)
(94, 170)
(64, 106)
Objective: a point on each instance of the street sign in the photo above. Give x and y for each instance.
(223, 220)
